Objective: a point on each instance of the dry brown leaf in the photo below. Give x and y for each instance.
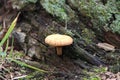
(106, 46)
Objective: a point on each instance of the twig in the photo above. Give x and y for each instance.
(19, 77)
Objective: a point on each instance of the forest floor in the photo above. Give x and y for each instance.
(18, 66)
(52, 67)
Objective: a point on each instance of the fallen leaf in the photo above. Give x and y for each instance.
(106, 46)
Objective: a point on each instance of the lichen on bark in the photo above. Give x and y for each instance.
(58, 8)
(101, 15)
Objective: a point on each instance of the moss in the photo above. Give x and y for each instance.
(115, 26)
(100, 15)
(94, 74)
(88, 35)
(58, 8)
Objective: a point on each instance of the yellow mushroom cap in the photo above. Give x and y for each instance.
(58, 40)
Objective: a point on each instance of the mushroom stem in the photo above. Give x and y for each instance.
(59, 50)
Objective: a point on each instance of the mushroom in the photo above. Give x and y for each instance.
(58, 41)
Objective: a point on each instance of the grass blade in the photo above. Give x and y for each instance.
(26, 65)
(9, 30)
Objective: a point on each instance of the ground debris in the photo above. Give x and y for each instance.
(110, 76)
(106, 46)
